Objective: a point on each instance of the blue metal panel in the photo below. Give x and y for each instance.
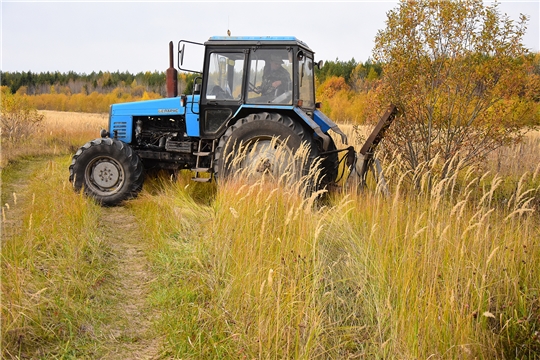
(123, 125)
(263, 107)
(256, 39)
(121, 115)
(157, 107)
(192, 116)
(323, 121)
(313, 124)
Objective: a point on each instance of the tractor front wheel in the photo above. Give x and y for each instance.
(107, 170)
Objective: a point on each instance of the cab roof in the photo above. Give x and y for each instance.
(256, 40)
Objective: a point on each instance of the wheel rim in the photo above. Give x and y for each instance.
(105, 176)
(267, 157)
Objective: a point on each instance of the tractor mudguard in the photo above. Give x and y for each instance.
(325, 123)
(321, 124)
(316, 128)
(319, 131)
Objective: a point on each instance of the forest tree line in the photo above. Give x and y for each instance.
(105, 82)
(101, 82)
(345, 88)
(342, 85)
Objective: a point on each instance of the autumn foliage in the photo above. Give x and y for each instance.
(92, 93)
(19, 118)
(91, 103)
(461, 77)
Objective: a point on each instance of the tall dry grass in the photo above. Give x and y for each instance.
(59, 133)
(256, 270)
(53, 265)
(263, 272)
(516, 159)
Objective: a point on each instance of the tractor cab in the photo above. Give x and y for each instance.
(245, 74)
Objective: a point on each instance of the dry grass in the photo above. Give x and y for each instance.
(53, 264)
(59, 133)
(517, 159)
(255, 270)
(266, 273)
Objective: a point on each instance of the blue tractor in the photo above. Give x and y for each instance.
(253, 94)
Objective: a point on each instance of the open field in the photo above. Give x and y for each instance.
(195, 271)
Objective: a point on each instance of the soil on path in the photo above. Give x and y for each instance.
(131, 336)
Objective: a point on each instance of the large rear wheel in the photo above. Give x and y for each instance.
(265, 145)
(107, 170)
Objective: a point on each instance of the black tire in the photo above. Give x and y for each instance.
(268, 131)
(107, 170)
(329, 164)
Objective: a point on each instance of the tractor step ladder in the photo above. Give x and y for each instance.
(198, 169)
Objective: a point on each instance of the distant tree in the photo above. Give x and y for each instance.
(186, 82)
(454, 69)
(331, 86)
(23, 90)
(336, 68)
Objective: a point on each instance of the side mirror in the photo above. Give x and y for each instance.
(182, 55)
(319, 64)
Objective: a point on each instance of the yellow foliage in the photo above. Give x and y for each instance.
(331, 86)
(19, 119)
(92, 103)
(341, 103)
(22, 90)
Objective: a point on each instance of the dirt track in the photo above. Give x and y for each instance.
(127, 333)
(131, 337)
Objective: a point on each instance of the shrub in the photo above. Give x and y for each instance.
(19, 119)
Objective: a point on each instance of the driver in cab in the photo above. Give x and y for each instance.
(276, 80)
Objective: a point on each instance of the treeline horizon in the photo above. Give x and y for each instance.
(102, 82)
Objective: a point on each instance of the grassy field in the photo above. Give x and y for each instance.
(256, 271)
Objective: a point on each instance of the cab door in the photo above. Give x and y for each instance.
(222, 90)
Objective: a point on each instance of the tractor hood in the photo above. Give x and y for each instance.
(121, 115)
(170, 106)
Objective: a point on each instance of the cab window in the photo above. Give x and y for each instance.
(269, 79)
(306, 78)
(225, 74)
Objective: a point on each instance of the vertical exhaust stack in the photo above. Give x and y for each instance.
(172, 75)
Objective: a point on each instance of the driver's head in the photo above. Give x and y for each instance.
(275, 61)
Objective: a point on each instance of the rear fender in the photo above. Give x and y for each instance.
(319, 132)
(319, 126)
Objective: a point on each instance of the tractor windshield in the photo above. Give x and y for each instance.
(225, 74)
(306, 78)
(269, 77)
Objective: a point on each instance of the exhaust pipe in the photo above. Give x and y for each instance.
(172, 75)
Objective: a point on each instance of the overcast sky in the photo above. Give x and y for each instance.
(42, 36)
